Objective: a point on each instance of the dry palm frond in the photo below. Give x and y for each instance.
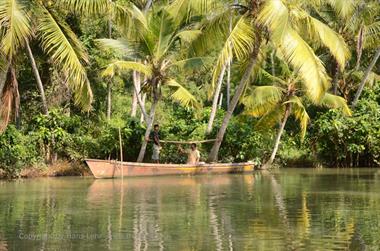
(9, 99)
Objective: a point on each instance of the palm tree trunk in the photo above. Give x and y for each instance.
(220, 101)
(228, 89)
(366, 75)
(278, 138)
(38, 79)
(109, 84)
(143, 105)
(335, 79)
(147, 6)
(16, 96)
(273, 64)
(147, 131)
(214, 107)
(228, 86)
(137, 83)
(213, 156)
(109, 100)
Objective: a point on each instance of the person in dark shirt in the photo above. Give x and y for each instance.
(155, 137)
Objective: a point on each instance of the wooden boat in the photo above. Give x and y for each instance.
(113, 169)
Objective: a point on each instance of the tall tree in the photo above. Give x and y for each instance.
(288, 24)
(162, 38)
(18, 19)
(275, 103)
(365, 78)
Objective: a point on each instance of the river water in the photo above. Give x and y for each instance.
(287, 209)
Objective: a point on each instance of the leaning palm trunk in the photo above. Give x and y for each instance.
(147, 131)
(366, 75)
(335, 79)
(141, 102)
(137, 84)
(38, 79)
(142, 105)
(148, 5)
(215, 101)
(109, 84)
(278, 138)
(213, 156)
(109, 100)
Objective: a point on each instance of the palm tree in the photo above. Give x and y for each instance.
(161, 44)
(357, 22)
(275, 103)
(365, 78)
(22, 21)
(285, 25)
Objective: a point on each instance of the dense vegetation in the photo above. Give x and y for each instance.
(266, 78)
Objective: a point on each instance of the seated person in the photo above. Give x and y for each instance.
(193, 155)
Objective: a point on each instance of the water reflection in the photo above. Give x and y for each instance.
(283, 210)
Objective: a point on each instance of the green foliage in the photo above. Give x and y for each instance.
(350, 141)
(16, 151)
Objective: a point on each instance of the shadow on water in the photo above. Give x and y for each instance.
(281, 206)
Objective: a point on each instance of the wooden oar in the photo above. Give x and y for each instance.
(188, 142)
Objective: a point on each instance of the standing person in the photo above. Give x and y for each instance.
(155, 137)
(193, 155)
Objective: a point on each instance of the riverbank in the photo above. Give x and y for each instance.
(59, 168)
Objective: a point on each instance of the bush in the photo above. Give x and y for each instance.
(350, 141)
(16, 151)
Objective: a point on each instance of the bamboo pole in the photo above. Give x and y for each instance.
(188, 142)
(121, 153)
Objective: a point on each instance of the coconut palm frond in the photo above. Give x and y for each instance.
(239, 44)
(214, 29)
(188, 36)
(296, 52)
(344, 8)
(192, 63)
(262, 99)
(180, 10)
(162, 31)
(262, 74)
(322, 33)
(15, 23)
(118, 67)
(119, 46)
(336, 102)
(310, 68)
(67, 51)
(300, 113)
(372, 35)
(139, 20)
(182, 95)
(274, 15)
(86, 6)
(271, 118)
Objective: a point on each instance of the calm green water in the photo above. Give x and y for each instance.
(293, 209)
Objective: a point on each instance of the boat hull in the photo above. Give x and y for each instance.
(102, 169)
